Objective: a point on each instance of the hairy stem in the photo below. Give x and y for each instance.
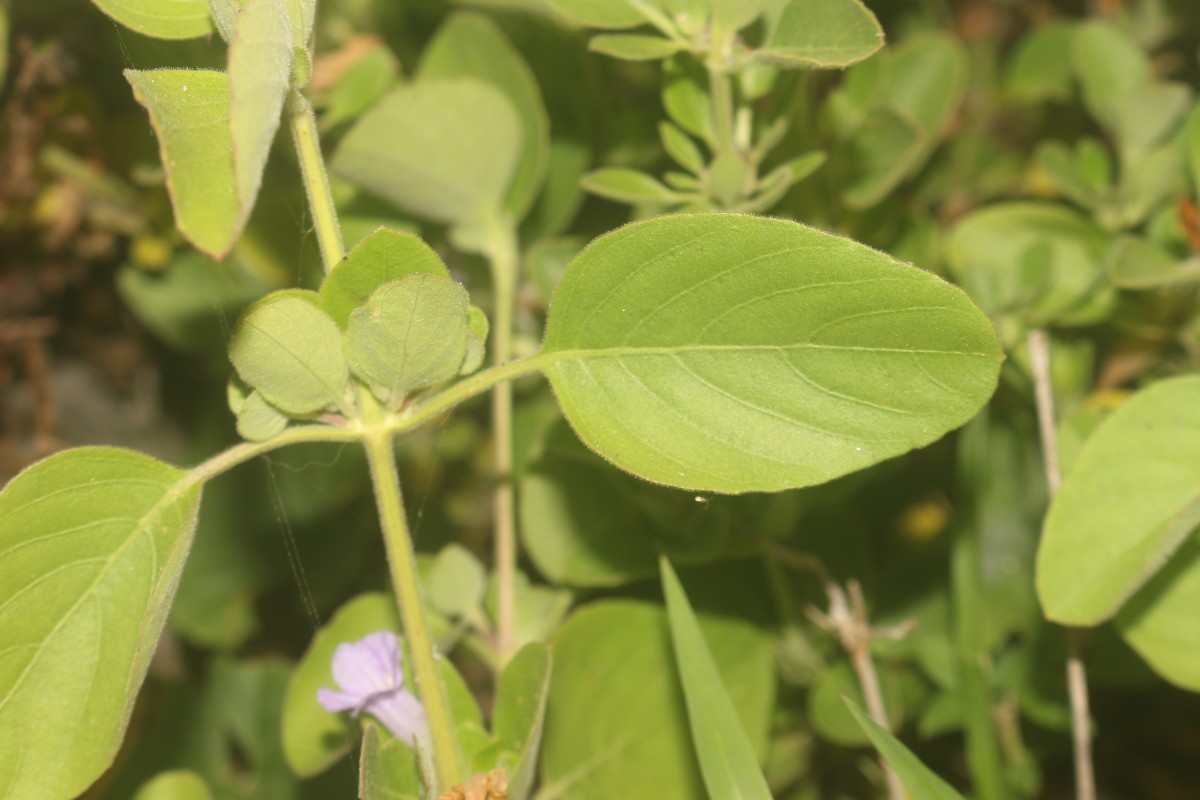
(402, 565)
(502, 257)
(316, 181)
(721, 91)
(1085, 775)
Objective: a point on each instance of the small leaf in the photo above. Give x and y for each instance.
(1110, 66)
(822, 34)
(260, 67)
(313, 738)
(627, 186)
(1160, 621)
(444, 149)
(412, 333)
(162, 19)
(519, 715)
(92, 543)
(388, 770)
(661, 355)
(1140, 264)
(471, 45)
(685, 97)
(921, 782)
(288, 349)
(477, 326)
(983, 246)
(634, 47)
(384, 256)
(680, 147)
(727, 759)
(1130, 501)
(887, 146)
(189, 109)
(455, 582)
(258, 420)
(176, 785)
(1148, 114)
(1041, 66)
(224, 16)
(614, 14)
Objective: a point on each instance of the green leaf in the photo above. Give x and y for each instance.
(586, 524)
(737, 353)
(827, 711)
(685, 97)
(680, 147)
(224, 16)
(1130, 501)
(92, 542)
(162, 19)
(288, 349)
(478, 327)
(260, 68)
(520, 714)
(736, 14)
(388, 770)
(1140, 264)
(822, 34)
(177, 785)
(882, 154)
(313, 738)
(627, 186)
(187, 303)
(215, 130)
(1109, 66)
(456, 582)
(384, 256)
(444, 149)
(1148, 114)
(258, 420)
(364, 82)
(189, 110)
(634, 47)
(412, 333)
(1160, 621)
(1041, 67)
(616, 724)
(927, 81)
(727, 759)
(982, 248)
(470, 45)
(614, 14)
(920, 781)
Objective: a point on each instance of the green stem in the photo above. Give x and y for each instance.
(502, 258)
(402, 564)
(316, 181)
(721, 92)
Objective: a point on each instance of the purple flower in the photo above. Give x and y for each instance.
(370, 679)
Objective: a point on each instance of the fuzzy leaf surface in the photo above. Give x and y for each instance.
(733, 353)
(92, 543)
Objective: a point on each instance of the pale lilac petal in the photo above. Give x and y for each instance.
(338, 701)
(368, 666)
(401, 713)
(371, 680)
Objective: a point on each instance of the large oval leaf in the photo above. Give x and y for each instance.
(92, 542)
(733, 353)
(1129, 502)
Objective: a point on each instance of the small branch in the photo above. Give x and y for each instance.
(316, 181)
(847, 619)
(1081, 734)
